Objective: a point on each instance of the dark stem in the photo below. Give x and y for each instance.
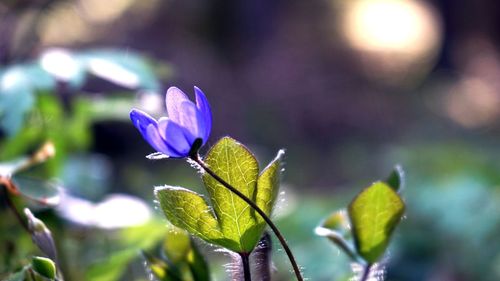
(366, 272)
(245, 261)
(196, 158)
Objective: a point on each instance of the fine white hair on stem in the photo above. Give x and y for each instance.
(235, 267)
(195, 166)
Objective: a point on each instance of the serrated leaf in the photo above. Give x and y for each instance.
(268, 185)
(235, 164)
(188, 210)
(374, 214)
(396, 179)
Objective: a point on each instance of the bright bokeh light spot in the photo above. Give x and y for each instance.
(119, 210)
(99, 11)
(473, 102)
(391, 25)
(113, 72)
(60, 63)
(11, 78)
(397, 40)
(151, 102)
(116, 211)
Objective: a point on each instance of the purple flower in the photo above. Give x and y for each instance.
(184, 131)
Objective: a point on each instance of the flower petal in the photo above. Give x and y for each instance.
(154, 138)
(141, 120)
(204, 108)
(173, 99)
(148, 127)
(175, 136)
(191, 120)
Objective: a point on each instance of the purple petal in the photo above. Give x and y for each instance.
(141, 120)
(173, 99)
(148, 127)
(204, 108)
(154, 138)
(191, 120)
(175, 136)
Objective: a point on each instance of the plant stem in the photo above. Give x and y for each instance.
(366, 272)
(245, 261)
(196, 158)
(262, 256)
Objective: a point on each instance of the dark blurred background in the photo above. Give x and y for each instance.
(349, 88)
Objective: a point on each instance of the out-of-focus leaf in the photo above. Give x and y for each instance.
(374, 214)
(18, 276)
(126, 69)
(132, 240)
(197, 264)
(396, 179)
(237, 165)
(188, 210)
(44, 266)
(16, 99)
(161, 269)
(337, 229)
(339, 222)
(176, 245)
(268, 185)
(112, 267)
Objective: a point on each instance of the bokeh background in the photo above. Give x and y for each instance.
(349, 88)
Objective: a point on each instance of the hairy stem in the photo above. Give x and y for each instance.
(366, 272)
(196, 158)
(262, 258)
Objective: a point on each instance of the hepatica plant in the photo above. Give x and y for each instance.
(242, 196)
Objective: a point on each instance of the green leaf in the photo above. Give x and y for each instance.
(18, 276)
(197, 264)
(337, 229)
(374, 214)
(161, 269)
(396, 179)
(44, 266)
(111, 268)
(188, 210)
(338, 222)
(268, 185)
(176, 245)
(235, 164)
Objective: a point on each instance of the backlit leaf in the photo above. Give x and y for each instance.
(235, 164)
(188, 210)
(268, 185)
(374, 214)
